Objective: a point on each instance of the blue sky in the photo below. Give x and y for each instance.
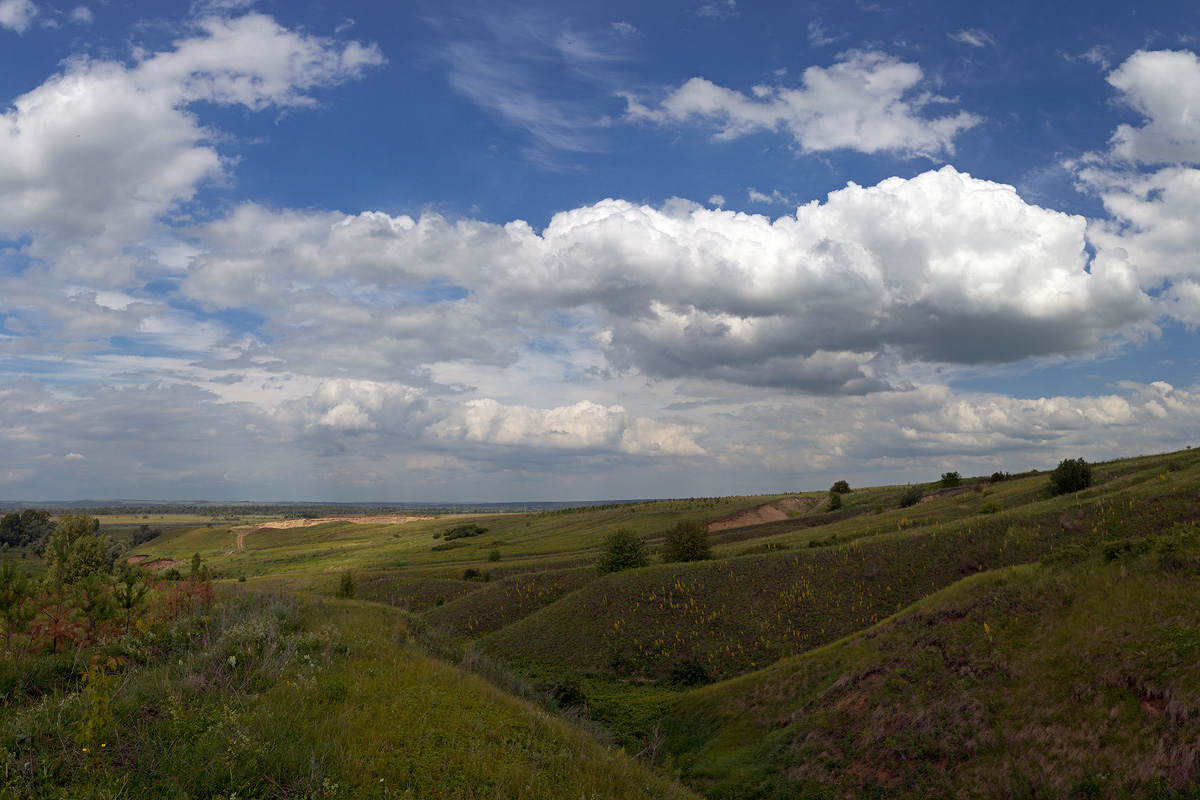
(488, 251)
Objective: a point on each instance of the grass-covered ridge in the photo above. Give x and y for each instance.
(1047, 680)
(980, 641)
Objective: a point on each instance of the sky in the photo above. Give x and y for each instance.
(491, 251)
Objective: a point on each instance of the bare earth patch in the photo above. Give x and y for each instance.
(754, 516)
(366, 519)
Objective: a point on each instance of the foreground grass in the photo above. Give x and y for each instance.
(275, 698)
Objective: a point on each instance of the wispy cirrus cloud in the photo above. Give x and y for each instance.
(514, 67)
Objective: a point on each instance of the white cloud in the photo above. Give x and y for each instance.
(583, 426)
(1164, 86)
(17, 15)
(718, 9)
(533, 76)
(82, 15)
(941, 268)
(868, 101)
(820, 36)
(345, 406)
(93, 158)
(1151, 225)
(973, 37)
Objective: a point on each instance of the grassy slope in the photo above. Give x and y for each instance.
(1048, 681)
(766, 596)
(739, 614)
(265, 699)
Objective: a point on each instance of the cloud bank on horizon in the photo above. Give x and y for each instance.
(410, 253)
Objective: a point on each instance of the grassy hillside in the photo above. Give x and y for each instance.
(849, 642)
(269, 697)
(1058, 680)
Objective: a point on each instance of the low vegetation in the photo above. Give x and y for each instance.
(964, 637)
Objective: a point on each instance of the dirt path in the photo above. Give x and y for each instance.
(367, 519)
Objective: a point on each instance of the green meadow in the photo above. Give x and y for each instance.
(956, 638)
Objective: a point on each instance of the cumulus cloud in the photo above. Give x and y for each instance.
(1151, 225)
(359, 406)
(95, 156)
(1163, 86)
(869, 101)
(583, 426)
(17, 15)
(939, 268)
(375, 439)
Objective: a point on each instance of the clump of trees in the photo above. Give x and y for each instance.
(686, 541)
(29, 527)
(622, 549)
(464, 531)
(1071, 475)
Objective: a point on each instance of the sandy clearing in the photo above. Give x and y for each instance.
(771, 512)
(754, 516)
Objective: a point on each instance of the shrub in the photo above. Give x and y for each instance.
(463, 531)
(911, 496)
(346, 585)
(470, 574)
(686, 541)
(690, 672)
(997, 477)
(990, 507)
(1071, 475)
(951, 479)
(623, 549)
(840, 487)
(494, 556)
(835, 502)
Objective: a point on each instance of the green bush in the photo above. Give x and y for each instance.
(346, 586)
(840, 487)
(835, 502)
(1071, 475)
(623, 549)
(911, 496)
(951, 479)
(494, 556)
(464, 531)
(990, 507)
(686, 541)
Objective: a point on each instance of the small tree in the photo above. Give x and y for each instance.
(346, 585)
(840, 487)
(686, 541)
(951, 479)
(835, 501)
(623, 549)
(128, 590)
(911, 496)
(1071, 475)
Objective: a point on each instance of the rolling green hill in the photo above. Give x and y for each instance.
(989, 640)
